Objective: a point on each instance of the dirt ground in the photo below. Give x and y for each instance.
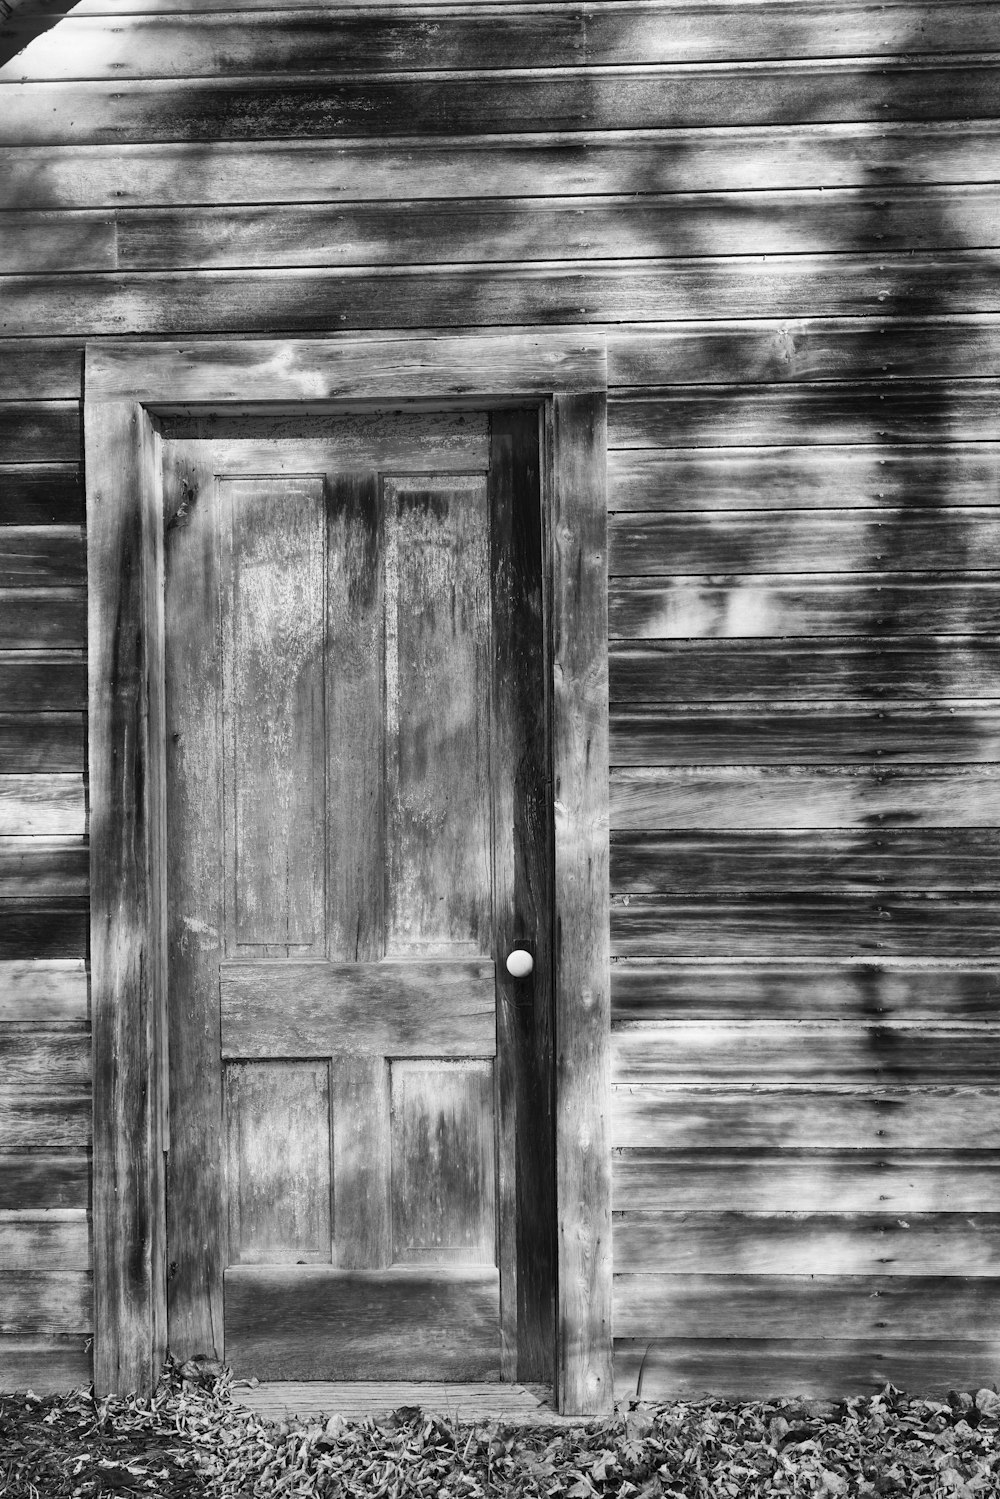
(191, 1440)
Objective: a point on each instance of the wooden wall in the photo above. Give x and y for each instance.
(786, 215)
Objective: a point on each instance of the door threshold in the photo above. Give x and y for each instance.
(520, 1405)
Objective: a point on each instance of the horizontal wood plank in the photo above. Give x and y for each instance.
(33, 556)
(42, 742)
(48, 1060)
(48, 1365)
(46, 1301)
(804, 349)
(946, 1244)
(49, 494)
(698, 1116)
(692, 862)
(311, 302)
(48, 805)
(683, 671)
(826, 412)
(804, 541)
(814, 1306)
(74, 176)
(36, 618)
(932, 475)
(817, 797)
(804, 605)
(485, 102)
(392, 1009)
(39, 868)
(897, 1182)
(783, 733)
(54, 1240)
(893, 924)
(39, 431)
(43, 681)
(44, 1179)
(43, 929)
(805, 1051)
(37, 991)
(284, 1323)
(648, 989)
(755, 1369)
(61, 1121)
(581, 227)
(264, 38)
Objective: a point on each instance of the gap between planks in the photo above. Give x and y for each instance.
(521, 1405)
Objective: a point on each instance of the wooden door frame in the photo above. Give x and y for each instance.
(126, 385)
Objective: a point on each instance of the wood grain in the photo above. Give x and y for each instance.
(61, 1119)
(50, 805)
(897, 1182)
(690, 862)
(32, 556)
(278, 1170)
(641, 97)
(415, 1008)
(394, 39)
(362, 1161)
(43, 929)
(582, 1002)
(505, 229)
(40, 431)
(38, 618)
(945, 1244)
(803, 477)
(195, 1195)
(57, 1239)
(683, 671)
(44, 1179)
(828, 411)
(814, 1306)
(46, 1301)
(310, 1322)
(40, 742)
(818, 797)
(42, 681)
(804, 1051)
(311, 302)
(570, 161)
(38, 992)
(40, 868)
(649, 989)
(832, 541)
(696, 1116)
(893, 924)
(856, 733)
(50, 1060)
(46, 494)
(49, 1365)
(756, 1368)
(804, 606)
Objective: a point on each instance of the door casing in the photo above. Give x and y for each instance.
(127, 386)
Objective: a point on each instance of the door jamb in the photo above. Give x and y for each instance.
(126, 384)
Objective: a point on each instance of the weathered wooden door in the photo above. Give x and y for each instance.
(360, 1164)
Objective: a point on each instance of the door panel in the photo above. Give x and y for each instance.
(348, 812)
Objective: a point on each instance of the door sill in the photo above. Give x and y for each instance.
(516, 1404)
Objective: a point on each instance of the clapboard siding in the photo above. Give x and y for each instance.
(480, 102)
(558, 163)
(786, 221)
(314, 302)
(504, 229)
(435, 37)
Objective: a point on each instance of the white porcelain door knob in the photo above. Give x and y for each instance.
(520, 963)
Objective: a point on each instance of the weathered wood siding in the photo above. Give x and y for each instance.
(786, 215)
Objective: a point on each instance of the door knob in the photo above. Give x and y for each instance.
(519, 963)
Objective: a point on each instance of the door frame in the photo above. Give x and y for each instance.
(127, 384)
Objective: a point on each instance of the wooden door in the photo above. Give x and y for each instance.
(360, 1166)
